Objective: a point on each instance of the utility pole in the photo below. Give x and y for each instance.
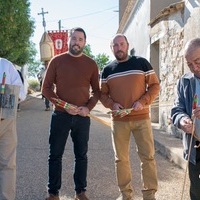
(43, 20)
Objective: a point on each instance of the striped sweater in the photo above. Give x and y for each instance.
(127, 82)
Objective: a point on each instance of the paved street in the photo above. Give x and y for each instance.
(32, 161)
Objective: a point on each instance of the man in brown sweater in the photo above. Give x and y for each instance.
(74, 75)
(128, 87)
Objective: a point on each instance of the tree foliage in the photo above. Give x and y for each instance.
(87, 50)
(16, 29)
(33, 64)
(101, 59)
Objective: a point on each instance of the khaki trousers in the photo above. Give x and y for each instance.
(8, 143)
(142, 132)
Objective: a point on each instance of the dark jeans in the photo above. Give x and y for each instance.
(61, 125)
(46, 101)
(194, 174)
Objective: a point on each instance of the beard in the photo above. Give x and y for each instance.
(75, 50)
(120, 55)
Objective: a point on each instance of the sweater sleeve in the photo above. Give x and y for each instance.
(105, 98)
(179, 109)
(153, 85)
(48, 83)
(95, 93)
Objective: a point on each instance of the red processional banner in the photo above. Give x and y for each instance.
(60, 39)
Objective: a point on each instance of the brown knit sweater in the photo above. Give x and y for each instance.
(76, 80)
(128, 82)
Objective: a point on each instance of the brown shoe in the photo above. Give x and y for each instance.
(123, 197)
(52, 197)
(81, 196)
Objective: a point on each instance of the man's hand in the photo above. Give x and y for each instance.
(83, 111)
(186, 124)
(117, 106)
(196, 112)
(72, 110)
(137, 106)
(118, 109)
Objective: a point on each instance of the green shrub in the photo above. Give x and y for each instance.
(34, 84)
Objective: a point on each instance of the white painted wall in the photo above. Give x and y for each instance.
(137, 29)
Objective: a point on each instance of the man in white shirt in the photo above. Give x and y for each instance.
(8, 136)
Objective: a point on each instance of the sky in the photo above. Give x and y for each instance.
(99, 18)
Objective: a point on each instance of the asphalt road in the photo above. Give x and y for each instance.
(32, 162)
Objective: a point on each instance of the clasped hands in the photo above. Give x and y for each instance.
(118, 109)
(82, 111)
(72, 109)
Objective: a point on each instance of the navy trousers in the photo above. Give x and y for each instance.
(194, 175)
(63, 124)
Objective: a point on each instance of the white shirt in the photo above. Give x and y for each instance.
(12, 76)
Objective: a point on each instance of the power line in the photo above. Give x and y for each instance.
(85, 15)
(104, 23)
(94, 13)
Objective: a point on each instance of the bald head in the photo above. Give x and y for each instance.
(118, 36)
(192, 56)
(191, 46)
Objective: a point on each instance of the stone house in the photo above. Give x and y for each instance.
(158, 31)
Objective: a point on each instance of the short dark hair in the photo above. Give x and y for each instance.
(79, 29)
(119, 35)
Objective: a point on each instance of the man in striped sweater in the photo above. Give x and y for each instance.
(128, 87)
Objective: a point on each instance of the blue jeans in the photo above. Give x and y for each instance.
(61, 125)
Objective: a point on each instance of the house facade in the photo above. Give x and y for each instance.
(158, 31)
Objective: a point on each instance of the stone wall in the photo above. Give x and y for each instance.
(174, 32)
(171, 66)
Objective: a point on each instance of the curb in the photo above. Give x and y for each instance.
(170, 147)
